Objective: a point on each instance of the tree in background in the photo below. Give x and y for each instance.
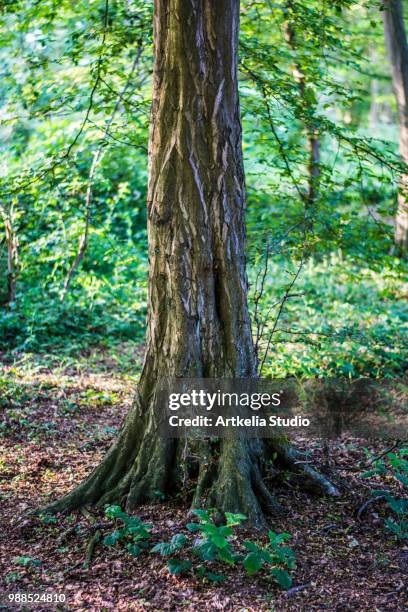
(312, 132)
(12, 256)
(198, 320)
(396, 41)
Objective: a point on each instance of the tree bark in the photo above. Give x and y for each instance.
(312, 133)
(397, 46)
(12, 255)
(198, 319)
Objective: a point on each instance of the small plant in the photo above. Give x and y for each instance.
(275, 555)
(48, 519)
(217, 544)
(133, 531)
(169, 548)
(394, 465)
(27, 561)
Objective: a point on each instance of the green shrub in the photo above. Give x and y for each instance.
(394, 466)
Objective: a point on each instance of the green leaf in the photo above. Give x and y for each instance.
(178, 566)
(112, 538)
(253, 563)
(278, 538)
(225, 554)
(202, 515)
(168, 548)
(178, 540)
(215, 577)
(134, 549)
(234, 519)
(114, 512)
(219, 541)
(282, 577)
(251, 546)
(200, 571)
(206, 551)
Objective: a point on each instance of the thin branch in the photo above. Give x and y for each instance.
(285, 298)
(257, 298)
(98, 155)
(387, 450)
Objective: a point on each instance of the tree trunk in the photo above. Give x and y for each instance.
(198, 320)
(396, 41)
(12, 255)
(312, 133)
(373, 115)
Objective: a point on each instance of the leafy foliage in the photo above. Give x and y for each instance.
(27, 561)
(394, 466)
(76, 88)
(134, 532)
(217, 545)
(275, 555)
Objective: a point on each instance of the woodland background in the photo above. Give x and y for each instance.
(328, 287)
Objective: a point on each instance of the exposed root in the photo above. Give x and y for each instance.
(141, 466)
(307, 476)
(368, 503)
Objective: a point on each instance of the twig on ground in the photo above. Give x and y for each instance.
(296, 589)
(388, 450)
(368, 503)
(90, 549)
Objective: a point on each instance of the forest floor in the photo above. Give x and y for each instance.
(56, 421)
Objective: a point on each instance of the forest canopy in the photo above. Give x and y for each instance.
(75, 98)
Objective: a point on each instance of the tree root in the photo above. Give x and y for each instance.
(140, 467)
(90, 549)
(368, 503)
(307, 476)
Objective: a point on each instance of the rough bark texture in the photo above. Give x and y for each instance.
(396, 41)
(198, 320)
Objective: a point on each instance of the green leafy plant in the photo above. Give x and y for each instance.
(133, 532)
(27, 561)
(168, 548)
(275, 555)
(215, 544)
(394, 465)
(48, 519)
